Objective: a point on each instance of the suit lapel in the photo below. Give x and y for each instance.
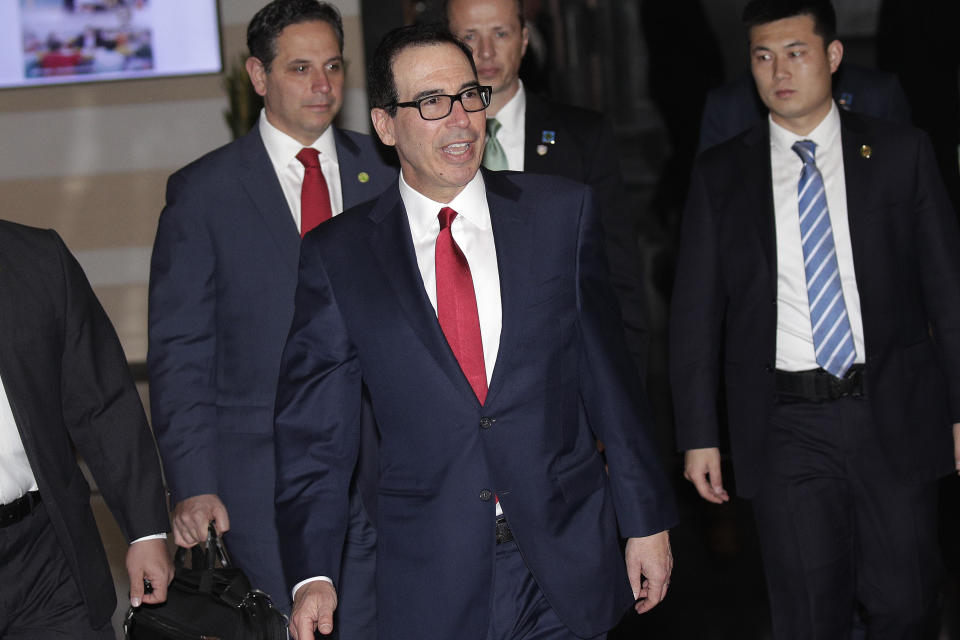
(512, 235)
(392, 244)
(348, 157)
(260, 182)
(857, 173)
(11, 289)
(755, 161)
(537, 124)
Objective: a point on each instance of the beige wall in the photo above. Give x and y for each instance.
(91, 160)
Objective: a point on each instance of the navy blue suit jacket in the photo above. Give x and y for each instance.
(906, 252)
(222, 281)
(563, 378)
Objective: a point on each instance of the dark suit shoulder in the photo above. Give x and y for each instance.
(23, 244)
(753, 139)
(878, 126)
(886, 138)
(580, 122)
(223, 160)
(365, 144)
(538, 185)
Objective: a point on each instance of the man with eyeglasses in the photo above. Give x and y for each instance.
(475, 308)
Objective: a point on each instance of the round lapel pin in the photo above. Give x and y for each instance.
(363, 177)
(866, 151)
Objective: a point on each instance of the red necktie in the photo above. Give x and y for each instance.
(457, 306)
(314, 194)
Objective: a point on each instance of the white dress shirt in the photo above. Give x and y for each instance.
(511, 136)
(16, 476)
(473, 233)
(795, 351)
(283, 151)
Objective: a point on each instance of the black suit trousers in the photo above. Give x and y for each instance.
(838, 531)
(38, 596)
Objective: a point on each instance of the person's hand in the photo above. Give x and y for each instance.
(649, 564)
(149, 560)
(313, 607)
(702, 468)
(192, 517)
(956, 446)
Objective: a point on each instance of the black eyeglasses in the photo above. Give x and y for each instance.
(440, 105)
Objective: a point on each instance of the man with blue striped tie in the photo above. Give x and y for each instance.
(819, 279)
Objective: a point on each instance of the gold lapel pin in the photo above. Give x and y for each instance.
(363, 177)
(866, 151)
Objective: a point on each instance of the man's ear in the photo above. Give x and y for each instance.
(383, 125)
(258, 75)
(525, 35)
(834, 54)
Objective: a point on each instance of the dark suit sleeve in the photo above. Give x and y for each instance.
(617, 413)
(696, 316)
(620, 230)
(102, 410)
(938, 241)
(317, 430)
(182, 353)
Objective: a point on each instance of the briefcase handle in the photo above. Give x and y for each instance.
(215, 551)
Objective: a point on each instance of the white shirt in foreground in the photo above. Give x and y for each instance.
(795, 351)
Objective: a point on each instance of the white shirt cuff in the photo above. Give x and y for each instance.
(303, 582)
(156, 536)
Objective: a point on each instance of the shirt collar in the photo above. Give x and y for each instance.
(511, 114)
(824, 135)
(470, 204)
(283, 149)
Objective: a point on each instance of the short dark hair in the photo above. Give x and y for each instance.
(446, 15)
(266, 25)
(758, 12)
(381, 84)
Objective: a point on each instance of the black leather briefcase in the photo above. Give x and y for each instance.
(209, 600)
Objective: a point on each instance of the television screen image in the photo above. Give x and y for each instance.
(65, 41)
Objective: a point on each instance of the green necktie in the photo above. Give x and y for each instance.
(494, 157)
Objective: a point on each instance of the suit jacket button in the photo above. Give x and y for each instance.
(486, 423)
(485, 495)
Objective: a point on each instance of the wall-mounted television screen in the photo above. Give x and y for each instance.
(64, 41)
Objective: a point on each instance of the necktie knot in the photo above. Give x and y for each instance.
(807, 150)
(494, 157)
(446, 217)
(309, 158)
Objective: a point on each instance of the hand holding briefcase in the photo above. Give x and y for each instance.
(209, 600)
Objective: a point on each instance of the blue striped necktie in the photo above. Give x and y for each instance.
(832, 336)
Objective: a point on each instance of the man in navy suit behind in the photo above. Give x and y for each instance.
(819, 275)
(475, 308)
(538, 135)
(221, 295)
